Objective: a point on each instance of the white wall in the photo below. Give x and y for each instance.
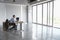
(13, 9)
(2, 13)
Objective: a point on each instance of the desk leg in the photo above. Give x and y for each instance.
(20, 26)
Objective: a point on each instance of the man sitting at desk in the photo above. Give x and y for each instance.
(17, 23)
(12, 22)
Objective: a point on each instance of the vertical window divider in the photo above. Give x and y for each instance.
(36, 13)
(32, 14)
(32, 17)
(52, 12)
(42, 14)
(52, 16)
(42, 24)
(36, 20)
(47, 23)
(49, 13)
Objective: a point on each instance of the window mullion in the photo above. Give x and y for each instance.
(42, 24)
(47, 13)
(52, 12)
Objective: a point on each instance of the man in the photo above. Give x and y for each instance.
(17, 23)
(12, 22)
(17, 20)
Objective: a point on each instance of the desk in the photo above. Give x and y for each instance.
(20, 24)
(5, 26)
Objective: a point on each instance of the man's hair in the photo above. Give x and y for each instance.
(7, 20)
(17, 18)
(13, 15)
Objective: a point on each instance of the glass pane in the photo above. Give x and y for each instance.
(34, 13)
(45, 13)
(39, 14)
(56, 13)
(50, 13)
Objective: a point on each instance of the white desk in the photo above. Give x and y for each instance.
(20, 24)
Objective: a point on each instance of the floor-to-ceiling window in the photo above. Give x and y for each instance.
(42, 14)
(39, 14)
(34, 14)
(46, 20)
(47, 14)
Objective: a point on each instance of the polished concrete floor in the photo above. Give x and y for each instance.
(31, 32)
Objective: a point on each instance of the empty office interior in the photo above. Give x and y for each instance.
(41, 19)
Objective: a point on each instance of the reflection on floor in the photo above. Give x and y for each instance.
(32, 32)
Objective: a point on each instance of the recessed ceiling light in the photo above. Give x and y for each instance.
(38, 0)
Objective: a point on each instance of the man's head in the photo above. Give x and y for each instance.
(17, 18)
(6, 20)
(13, 16)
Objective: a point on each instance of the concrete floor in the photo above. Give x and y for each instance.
(32, 32)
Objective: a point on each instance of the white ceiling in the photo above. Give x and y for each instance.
(17, 1)
(24, 2)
